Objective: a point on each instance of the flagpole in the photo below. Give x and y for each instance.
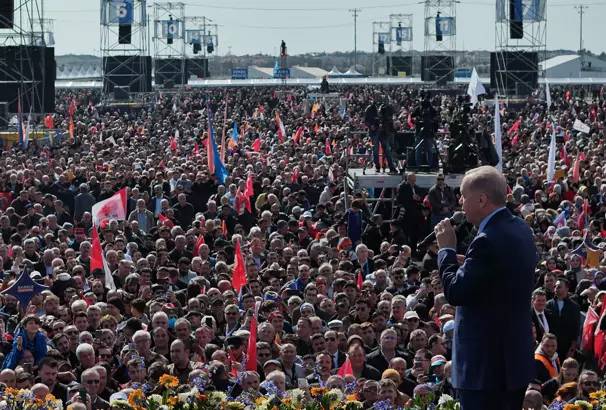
(223, 136)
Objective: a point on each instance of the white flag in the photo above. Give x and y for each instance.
(581, 126)
(551, 156)
(110, 208)
(475, 87)
(547, 95)
(109, 279)
(497, 135)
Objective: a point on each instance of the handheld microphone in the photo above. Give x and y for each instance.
(457, 219)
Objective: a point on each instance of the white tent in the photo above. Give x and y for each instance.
(352, 72)
(334, 72)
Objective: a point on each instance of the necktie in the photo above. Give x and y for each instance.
(544, 322)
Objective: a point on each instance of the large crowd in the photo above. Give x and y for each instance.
(339, 294)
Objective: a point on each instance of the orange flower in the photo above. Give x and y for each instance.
(317, 391)
(351, 397)
(167, 380)
(136, 397)
(172, 401)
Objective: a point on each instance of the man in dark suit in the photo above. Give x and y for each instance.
(493, 346)
(564, 319)
(409, 199)
(540, 317)
(332, 347)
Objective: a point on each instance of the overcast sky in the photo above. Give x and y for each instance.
(248, 27)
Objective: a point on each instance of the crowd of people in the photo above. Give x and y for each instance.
(339, 293)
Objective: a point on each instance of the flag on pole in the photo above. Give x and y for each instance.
(498, 143)
(547, 95)
(165, 220)
(591, 319)
(560, 220)
(576, 169)
(210, 157)
(345, 369)
(256, 145)
(113, 207)
(475, 87)
(360, 280)
(199, 242)
(71, 110)
(251, 351)
(223, 144)
(551, 157)
(98, 261)
(238, 279)
(220, 170)
(327, 149)
(196, 150)
(280, 128)
(297, 135)
(234, 132)
(71, 130)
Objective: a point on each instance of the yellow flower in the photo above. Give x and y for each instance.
(351, 397)
(597, 395)
(317, 391)
(136, 397)
(167, 380)
(259, 401)
(172, 401)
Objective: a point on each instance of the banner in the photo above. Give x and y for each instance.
(113, 207)
(120, 12)
(532, 10)
(194, 36)
(446, 25)
(581, 126)
(171, 28)
(383, 38)
(24, 289)
(403, 34)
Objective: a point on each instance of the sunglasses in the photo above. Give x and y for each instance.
(93, 381)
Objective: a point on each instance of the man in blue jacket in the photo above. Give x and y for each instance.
(491, 289)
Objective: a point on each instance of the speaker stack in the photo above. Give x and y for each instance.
(133, 72)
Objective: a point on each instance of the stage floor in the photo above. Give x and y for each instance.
(372, 179)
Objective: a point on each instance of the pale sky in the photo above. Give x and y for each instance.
(315, 25)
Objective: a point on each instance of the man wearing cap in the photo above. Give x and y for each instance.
(441, 199)
(490, 369)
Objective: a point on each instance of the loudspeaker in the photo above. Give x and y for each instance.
(174, 69)
(124, 34)
(381, 48)
(28, 71)
(197, 47)
(398, 64)
(7, 13)
(516, 72)
(516, 26)
(437, 68)
(121, 92)
(4, 115)
(131, 71)
(198, 67)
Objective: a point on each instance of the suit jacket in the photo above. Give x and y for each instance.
(493, 344)
(378, 361)
(537, 323)
(565, 324)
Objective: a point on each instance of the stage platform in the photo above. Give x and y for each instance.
(358, 180)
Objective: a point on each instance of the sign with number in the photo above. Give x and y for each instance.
(121, 12)
(403, 34)
(239, 73)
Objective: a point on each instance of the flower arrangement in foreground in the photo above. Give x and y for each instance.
(197, 397)
(23, 399)
(597, 402)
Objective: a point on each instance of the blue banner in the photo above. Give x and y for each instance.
(403, 34)
(121, 12)
(24, 289)
(239, 73)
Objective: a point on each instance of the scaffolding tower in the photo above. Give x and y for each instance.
(520, 43)
(437, 62)
(400, 46)
(169, 43)
(202, 41)
(381, 42)
(125, 46)
(27, 62)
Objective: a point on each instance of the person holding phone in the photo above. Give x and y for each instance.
(27, 337)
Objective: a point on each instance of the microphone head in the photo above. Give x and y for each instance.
(458, 218)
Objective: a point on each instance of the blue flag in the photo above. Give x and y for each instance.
(234, 132)
(220, 170)
(24, 289)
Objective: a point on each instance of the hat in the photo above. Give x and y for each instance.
(307, 214)
(35, 275)
(274, 362)
(193, 313)
(307, 306)
(438, 360)
(448, 326)
(297, 210)
(411, 314)
(335, 324)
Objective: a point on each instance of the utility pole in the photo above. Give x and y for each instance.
(355, 16)
(581, 8)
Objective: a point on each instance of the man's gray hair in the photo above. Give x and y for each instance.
(489, 181)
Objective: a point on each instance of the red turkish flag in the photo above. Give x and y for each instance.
(239, 272)
(199, 242)
(251, 351)
(345, 369)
